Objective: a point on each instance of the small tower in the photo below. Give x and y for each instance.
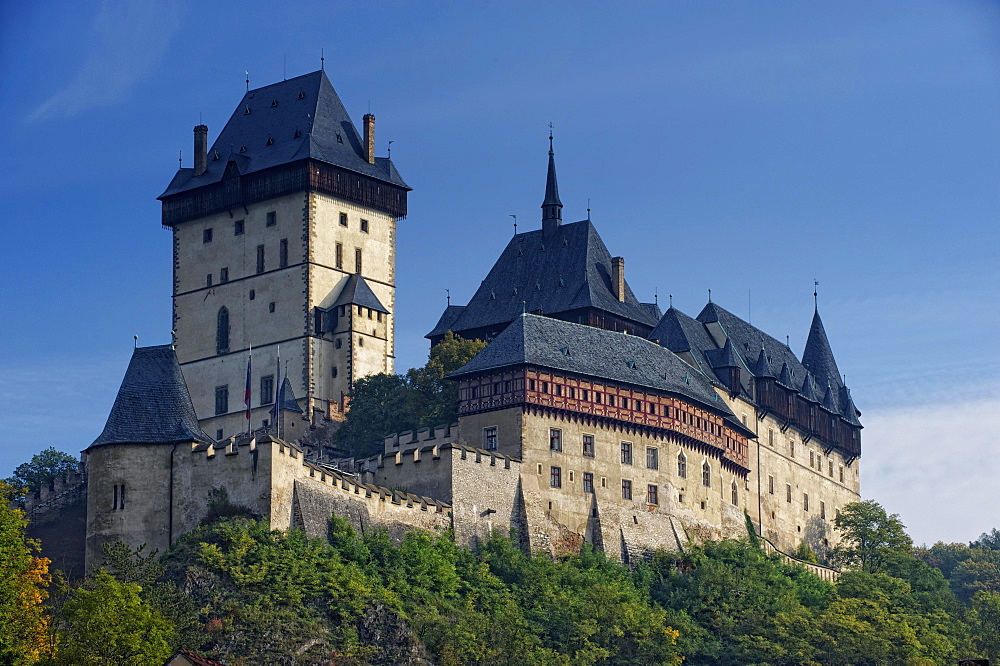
(551, 206)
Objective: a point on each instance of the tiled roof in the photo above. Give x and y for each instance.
(818, 357)
(564, 269)
(286, 396)
(285, 122)
(153, 405)
(447, 320)
(357, 292)
(595, 352)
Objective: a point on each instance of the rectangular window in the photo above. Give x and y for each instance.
(555, 477)
(490, 438)
(830, 474)
(626, 489)
(805, 501)
(555, 439)
(272, 218)
(339, 258)
(206, 235)
(626, 453)
(822, 510)
(770, 485)
(611, 401)
(652, 458)
(267, 390)
(364, 226)
(343, 219)
(791, 448)
(238, 228)
(283, 253)
(588, 482)
(208, 280)
(221, 400)
(598, 397)
(812, 462)
(841, 473)
(770, 437)
(588, 446)
(788, 493)
(224, 277)
(357, 260)
(260, 258)
(652, 495)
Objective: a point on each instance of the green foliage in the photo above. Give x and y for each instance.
(984, 620)
(987, 540)
(107, 622)
(23, 581)
(384, 404)
(43, 468)
(869, 536)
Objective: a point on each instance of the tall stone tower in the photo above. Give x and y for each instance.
(284, 239)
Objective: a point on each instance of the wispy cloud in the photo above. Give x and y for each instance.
(128, 37)
(936, 466)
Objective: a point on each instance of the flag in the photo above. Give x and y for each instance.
(247, 392)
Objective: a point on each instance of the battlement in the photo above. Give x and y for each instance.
(65, 490)
(442, 434)
(352, 485)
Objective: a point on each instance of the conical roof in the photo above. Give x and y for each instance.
(153, 405)
(807, 392)
(356, 291)
(785, 378)
(818, 357)
(829, 402)
(551, 185)
(286, 397)
(762, 368)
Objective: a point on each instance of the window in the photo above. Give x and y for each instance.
(555, 439)
(357, 260)
(812, 462)
(338, 343)
(208, 280)
(218, 435)
(652, 458)
(224, 275)
(490, 438)
(333, 372)
(114, 499)
(626, 489)
(267, 390)
(206, 235)
(253, 294)
(736, 494)
(805, 501)
(221, 400)
(841, 473)
(272, 218)
(822, 510)
(260, 258)
(364, 226)
(682, 465)
(270, 306)
(588, 482)
(555, 477)
(283, 253)
(626, 453)
(706, 475)
(343, 219)
(830, 474)
(788, 493)
(340, 255)
(588, 446)
(770, 437)
(770, 485)
(652, 494)
(361, 341)
(791, 448)
(238, 228)
(611, 401)
(222, 331)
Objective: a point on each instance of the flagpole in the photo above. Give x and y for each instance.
(248, 393)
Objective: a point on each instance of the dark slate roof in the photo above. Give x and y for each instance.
(595, 352)
(551, 184)
(681, 333)
(153, 404)
(357, 292)
(300, 118)
(561, 270)
(286, 396)
(447, 320)
(818, 357)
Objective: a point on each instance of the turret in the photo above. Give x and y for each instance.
(551, 206)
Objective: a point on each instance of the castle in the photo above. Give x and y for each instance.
(589, 416)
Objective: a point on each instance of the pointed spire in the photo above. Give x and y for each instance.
(818, 357)
(728, 357)
(807, 391)
(785, 378)
(762, 368)
(552, 206)
(829, 402)
(848, 410)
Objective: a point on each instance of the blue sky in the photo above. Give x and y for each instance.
(746, 148)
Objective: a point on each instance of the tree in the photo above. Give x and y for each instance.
(869, 536)
(989, 540)
(984, 620)
(434, 397)
(378, 408)
(106, 621)
(43, 468)
(23, 579)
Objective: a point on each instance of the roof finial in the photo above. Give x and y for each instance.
(180, 158)
(135, 342)
(588, 210)
(247, 72)
(709, 295)
(551, 206)
(551, 152)
(173, 340)
(515, 223)
(671, 300)
(656, 296)
(816, 295)
(388, 151)
(788, 341)
(448, 296)
(524, 308)
(322, 60)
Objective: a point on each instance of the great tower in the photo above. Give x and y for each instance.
(284, 236)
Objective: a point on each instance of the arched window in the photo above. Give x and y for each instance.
(706, 475)
(222, 332)
(736, 494)
(682, 465)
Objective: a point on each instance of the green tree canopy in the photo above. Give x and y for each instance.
(44, 467)
(869, 536)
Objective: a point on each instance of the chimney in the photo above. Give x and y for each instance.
(200, 149)
(618, 278)
(369, 121)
